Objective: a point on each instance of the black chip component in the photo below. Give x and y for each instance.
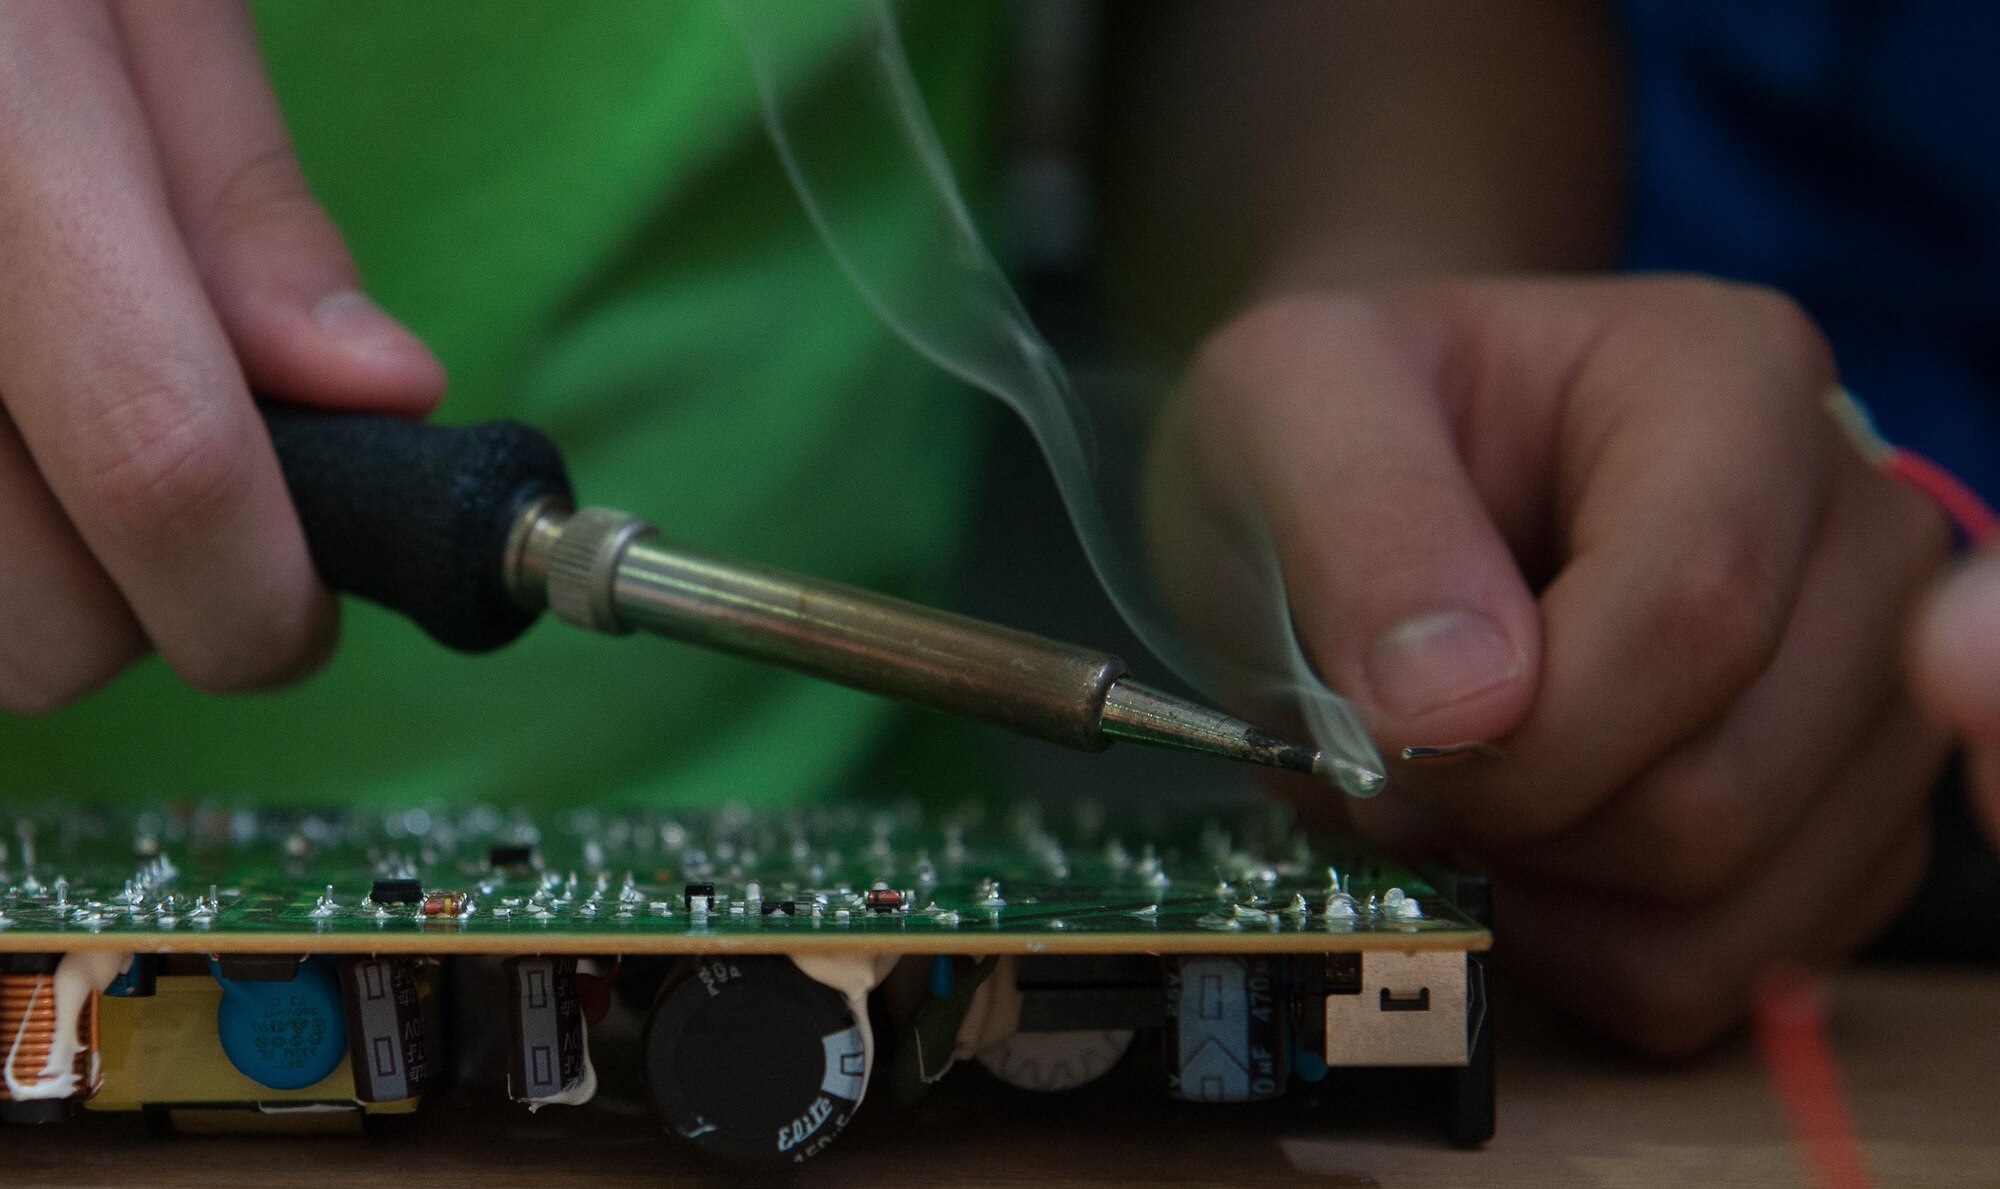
(1088, 992)
(509, 854)
(258, 968)
(789, 908)
(396, 891)
(689, 893)
(1310, 982)
(751, 1060)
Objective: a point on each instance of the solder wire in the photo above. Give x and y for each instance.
(1788, 1007)
(1968, 513)
(963, 315)
(1789, 1020)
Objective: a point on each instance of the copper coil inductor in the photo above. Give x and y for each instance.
(28, 1034)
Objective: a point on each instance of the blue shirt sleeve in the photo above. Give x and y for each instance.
(1848, 153)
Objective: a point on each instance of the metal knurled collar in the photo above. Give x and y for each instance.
(583, 567)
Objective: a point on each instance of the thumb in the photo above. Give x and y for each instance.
(1402, 590)
(271, 260)
(1955, 653)
(1955, 665)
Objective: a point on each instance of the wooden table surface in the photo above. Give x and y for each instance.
(1920, 1049)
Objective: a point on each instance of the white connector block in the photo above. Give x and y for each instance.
(1410, 1011)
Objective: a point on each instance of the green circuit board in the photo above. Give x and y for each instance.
(210, 878)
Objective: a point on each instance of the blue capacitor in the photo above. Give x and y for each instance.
(285, 1035)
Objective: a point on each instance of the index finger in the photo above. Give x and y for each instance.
(120, 379)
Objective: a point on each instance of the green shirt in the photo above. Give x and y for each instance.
(576, 205)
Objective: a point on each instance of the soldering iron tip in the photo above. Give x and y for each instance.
(1146, 715)
(1347, 776)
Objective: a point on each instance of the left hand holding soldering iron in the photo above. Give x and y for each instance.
(1609, 526)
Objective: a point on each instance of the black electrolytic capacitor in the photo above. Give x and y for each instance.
(388, 1030)
(545, 1021)
(750, 1059)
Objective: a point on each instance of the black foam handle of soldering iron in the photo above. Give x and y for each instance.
(416, 516)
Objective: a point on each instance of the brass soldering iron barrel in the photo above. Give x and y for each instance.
(604, 570)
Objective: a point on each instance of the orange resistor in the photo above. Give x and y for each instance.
(28, 1034)
(444, 904)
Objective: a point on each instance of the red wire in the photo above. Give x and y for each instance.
(1789, 1014)
(1790, 1021)
(1972, 515)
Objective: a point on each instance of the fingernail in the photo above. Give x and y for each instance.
(360, 325)
(1437, 659)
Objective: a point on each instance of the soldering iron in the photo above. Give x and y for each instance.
(473, 531)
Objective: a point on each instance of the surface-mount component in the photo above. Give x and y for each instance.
(396, 890)
(509, 854)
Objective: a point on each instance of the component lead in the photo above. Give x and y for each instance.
(1450, 751)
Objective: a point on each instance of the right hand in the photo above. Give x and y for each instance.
(160, 256)
(1955, 662)
(1608, 524)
